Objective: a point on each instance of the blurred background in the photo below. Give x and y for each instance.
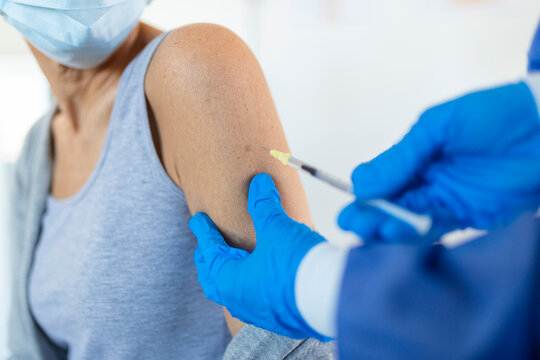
(348, 77)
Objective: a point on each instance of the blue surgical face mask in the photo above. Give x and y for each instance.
(77, 33)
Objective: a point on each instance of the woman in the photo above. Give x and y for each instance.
(147, 129)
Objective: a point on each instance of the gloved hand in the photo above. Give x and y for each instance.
(471, 162)
(257, 288)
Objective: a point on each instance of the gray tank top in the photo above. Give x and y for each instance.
(113, 274)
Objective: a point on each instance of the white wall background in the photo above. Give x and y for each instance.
(348, 76)
(350, 82)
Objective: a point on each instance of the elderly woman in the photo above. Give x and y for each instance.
(146, 129)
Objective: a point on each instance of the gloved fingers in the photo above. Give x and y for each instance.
(206, 277)
(419, 200)
(396, 231)
(264, 201)
(212, 250)
(361, 219)
(422, 201)
(205, 231)
(216, 267)
(391, 172)
(372, 224)
(214, 258)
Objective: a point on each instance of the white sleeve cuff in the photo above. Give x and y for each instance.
(317, 287)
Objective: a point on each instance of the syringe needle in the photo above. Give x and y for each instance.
(421, 223)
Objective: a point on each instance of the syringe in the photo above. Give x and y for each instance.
(421, 223)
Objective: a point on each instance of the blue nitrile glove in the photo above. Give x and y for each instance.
(471, 162)
(257, 288)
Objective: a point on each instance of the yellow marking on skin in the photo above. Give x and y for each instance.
(283, 157)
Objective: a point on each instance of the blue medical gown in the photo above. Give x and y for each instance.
(477, 301)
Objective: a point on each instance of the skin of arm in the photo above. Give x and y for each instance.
(213, 115)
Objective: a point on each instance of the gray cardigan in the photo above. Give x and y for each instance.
(26, 340)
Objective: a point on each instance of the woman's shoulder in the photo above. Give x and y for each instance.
(198, 66)
(199, 54)
(202, 80)
(198, 45)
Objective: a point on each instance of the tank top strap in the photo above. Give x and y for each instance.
(130, 122)
(131, 87)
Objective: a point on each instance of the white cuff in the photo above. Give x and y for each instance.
(317, 287)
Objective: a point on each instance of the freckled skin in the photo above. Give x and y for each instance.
(212, 107)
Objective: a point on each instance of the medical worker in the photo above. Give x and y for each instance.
(471, 162)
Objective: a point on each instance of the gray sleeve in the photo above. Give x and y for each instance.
(25, 340)
(533, 81)
(254, 343)
(18, 201)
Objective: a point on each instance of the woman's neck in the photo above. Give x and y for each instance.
(77, 91)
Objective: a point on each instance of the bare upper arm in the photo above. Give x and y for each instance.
(214, 114)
